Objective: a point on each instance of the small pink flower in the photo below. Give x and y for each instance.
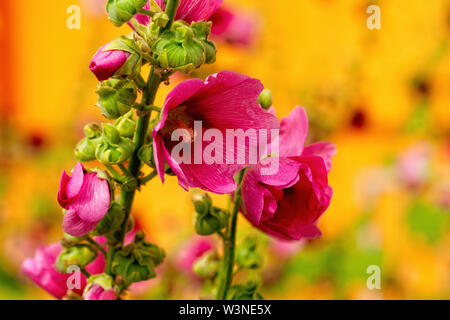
(96, 292)
(225, 101)
(105, 64)
(414, 165)
(288, 203)
(192, 251)
(86, 197)
(40, 269)
(233, 27)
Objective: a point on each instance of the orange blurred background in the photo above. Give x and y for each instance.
(382, 96)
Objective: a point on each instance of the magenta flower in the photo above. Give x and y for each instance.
(188, 10)
(40, 269)
(86, 197)
(225, 101)
(105, 64)
(233, 27)
(192, 251)
(288, 203)
(96, 292)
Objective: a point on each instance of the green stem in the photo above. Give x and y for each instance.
(116, 175)
(230, 245)
(97, 246)
(134, 166)
(109, 260)
(148, 178)
(171, 10)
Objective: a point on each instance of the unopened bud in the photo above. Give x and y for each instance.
(265, 99)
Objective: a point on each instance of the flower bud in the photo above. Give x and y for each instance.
(207, 265)
(116, 97)
(85, 150)
(245, 292)
(111, 134)
(178, 49)
(92, 130)
(247, 255)
(121, 11)
(137, 261)
(202, 30)
(145, 154)
(202, 203)
(78, 255)
(265, 99)
(113, 149)
(210, 221)
(126, 125)
(100, 287)
(112, 220)
(160, 19)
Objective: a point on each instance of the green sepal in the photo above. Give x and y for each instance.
(112, 221)
(137, 261)
(79, 255)
(146, 155)
(126, 125)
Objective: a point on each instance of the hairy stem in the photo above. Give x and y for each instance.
(230, 245)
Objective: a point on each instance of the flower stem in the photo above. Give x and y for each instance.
(171, 10)
(230, 245)
(148, 178)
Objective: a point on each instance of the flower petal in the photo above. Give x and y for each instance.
(293, 132)
(93, 200)
(325, 150)
(73, 225)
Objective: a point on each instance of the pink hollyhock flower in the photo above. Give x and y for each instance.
(40, 269)
(96, 292)
(105, 64)
(288, 203)
(233, 27)
(191, 252)
(225, 101)
(188, 10)
(86, 197)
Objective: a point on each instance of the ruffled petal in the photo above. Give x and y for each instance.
(325, 150)
(293, 132)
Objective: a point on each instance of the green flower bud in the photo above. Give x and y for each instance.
(137, 261)
(245, 292)
(111, 134)
(121, 11)
(201, 30)
(116, 97)
(207, 265)
(145, 154)
(265, 99)
(126, 125)
(112, 220)
(202, 203)
(210, 221)
(79, 255)
(247, 255)
(160, 19)
(92, 130)
(85, 150)
(178, 49)
(113, 149)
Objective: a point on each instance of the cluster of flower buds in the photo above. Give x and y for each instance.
(137, 261)
(209, 219)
